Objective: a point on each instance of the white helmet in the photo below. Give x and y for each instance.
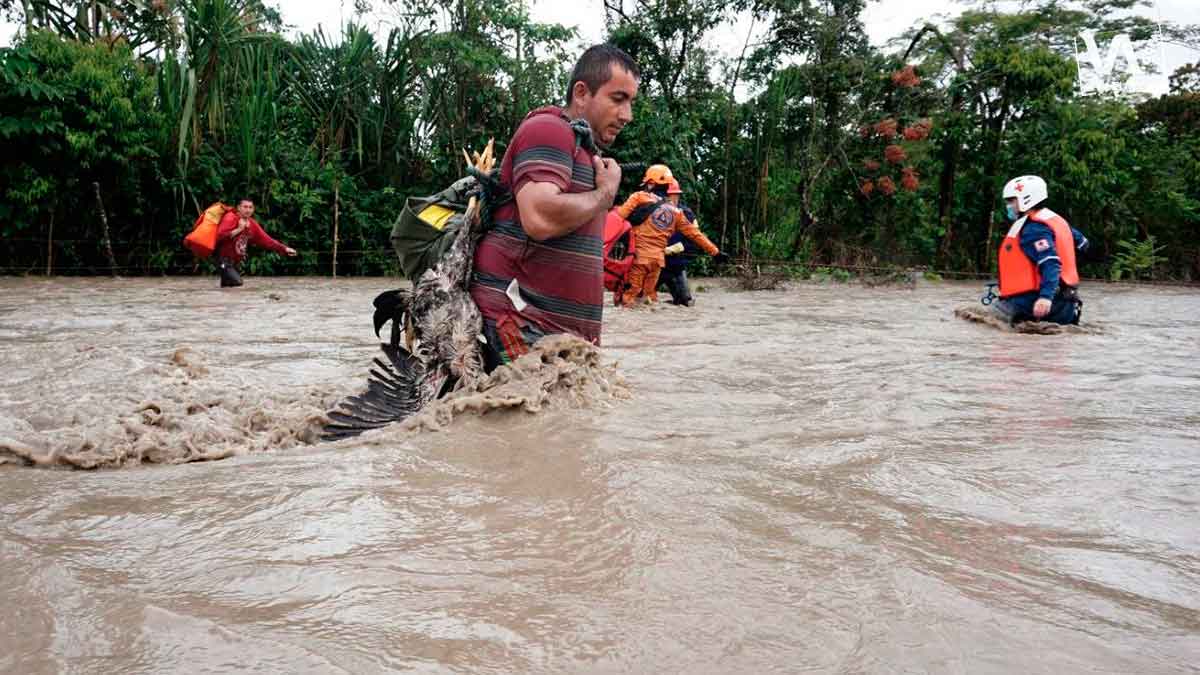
(1029, 191)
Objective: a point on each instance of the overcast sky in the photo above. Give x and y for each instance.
(884, 20)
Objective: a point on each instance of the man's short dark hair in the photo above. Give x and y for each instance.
(594, 68)
(245, 199)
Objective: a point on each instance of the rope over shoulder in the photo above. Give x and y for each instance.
(584, 139)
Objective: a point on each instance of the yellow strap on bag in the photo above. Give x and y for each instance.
(437, 216)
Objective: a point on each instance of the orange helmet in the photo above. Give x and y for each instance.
(658, 174)
(673, 188)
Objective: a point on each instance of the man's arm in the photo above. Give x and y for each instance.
(692, 231)
(260, 238)
(1037, 241)
(547, 212)
(230, 226)
(635, 200)
(1081, 242)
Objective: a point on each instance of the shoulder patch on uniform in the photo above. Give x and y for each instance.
(664, 217)
(1041, 245)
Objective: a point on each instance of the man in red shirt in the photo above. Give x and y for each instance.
(237, 231)
(540, 270)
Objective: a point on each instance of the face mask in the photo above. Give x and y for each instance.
(1011, 211)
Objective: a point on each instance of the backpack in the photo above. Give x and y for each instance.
(427, 226)
(202, 240)
(620, 248)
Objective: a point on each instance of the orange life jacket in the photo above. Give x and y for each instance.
(1019, 274)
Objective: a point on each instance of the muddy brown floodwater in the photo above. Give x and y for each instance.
(825, 478)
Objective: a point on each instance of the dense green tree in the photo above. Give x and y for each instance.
(73, 114)
(809, 146)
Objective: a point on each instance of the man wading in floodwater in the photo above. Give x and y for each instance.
(1038, 277)
(539, 270)
(237, 231)
(679, 252)
(536, 271)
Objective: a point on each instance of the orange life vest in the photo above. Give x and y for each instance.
(1019, 274)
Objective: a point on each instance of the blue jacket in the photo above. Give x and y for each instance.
(1037, 242)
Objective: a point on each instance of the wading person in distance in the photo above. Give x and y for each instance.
(655, 215)
(237, 231)
(1039, 280)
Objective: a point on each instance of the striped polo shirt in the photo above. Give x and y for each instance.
(560, 281)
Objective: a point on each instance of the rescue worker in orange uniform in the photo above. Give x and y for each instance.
(655, 219)
(1039, 280)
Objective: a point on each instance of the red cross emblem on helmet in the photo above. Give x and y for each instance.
(1020, 187)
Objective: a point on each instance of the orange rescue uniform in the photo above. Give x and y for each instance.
(651, 235)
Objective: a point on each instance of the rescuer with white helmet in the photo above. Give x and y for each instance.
(1038, 275)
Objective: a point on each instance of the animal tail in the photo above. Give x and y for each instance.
(396, 388)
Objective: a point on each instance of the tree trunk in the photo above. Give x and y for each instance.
(336, 204)
(949, 155)
(737, 72)
(764, 196)
(107, 241)
(991, 168)
(950, 149)
(50, 246)
(806, 222)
